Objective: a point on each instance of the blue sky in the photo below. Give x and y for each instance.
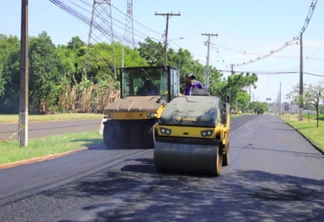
(252, 26)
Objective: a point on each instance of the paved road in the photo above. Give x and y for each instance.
(41, 129)
(274, 175)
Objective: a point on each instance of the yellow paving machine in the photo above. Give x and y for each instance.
(144, 92)
(192, 135)
(188, 133)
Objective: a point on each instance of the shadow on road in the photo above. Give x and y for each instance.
(98, 144)
(91, 144)
(137, 193)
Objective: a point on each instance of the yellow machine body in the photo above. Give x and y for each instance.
(192, 136)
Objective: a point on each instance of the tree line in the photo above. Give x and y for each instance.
(61, 79)
(313, 95)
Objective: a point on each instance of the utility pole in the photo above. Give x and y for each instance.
(280, 99)
(23, 98)
(232, 69)
(250, 95)
(208, 55)
(236, 106)
(168, 15)
(301, 84)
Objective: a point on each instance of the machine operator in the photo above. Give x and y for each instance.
(148, 88)
(191, 84)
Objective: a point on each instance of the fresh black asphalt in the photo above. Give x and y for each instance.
(274, 175)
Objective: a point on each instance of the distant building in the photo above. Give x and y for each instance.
(289, 108)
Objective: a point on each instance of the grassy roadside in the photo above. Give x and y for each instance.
(11, 152)
(308, 129)
(50, 117)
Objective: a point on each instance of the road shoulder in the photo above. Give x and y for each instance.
(37, 159)
(306, 138)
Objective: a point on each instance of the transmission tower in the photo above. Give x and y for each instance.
(129, 25)
(129, 28)
(101, 30)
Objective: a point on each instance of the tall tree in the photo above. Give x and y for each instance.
(44, 72)
(294, 97)
(243, 99)
(258, 107)
(152, 52)
(233, 85)
(77, 45)
(314, 94)
(9, 73)
(9, 45)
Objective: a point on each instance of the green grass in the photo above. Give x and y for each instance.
(10, 151)
(308, 129)
(50, 117)
(313, 116)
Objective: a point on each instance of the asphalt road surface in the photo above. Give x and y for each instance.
(42, 129)
(274, 175)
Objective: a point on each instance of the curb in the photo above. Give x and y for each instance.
(41, 159)
(313, 144)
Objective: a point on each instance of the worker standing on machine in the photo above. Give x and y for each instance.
(191, 84)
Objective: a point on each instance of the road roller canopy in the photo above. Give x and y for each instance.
(161, 81)
(200, 111)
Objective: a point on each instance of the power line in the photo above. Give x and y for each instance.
(79, 14)
(288, 43)
(139, 22)
(259, 54)
(126, 14)
(261, 72)
(190, 52)
(313, 74)
(318, 48)
(219, 55)
(273, 72)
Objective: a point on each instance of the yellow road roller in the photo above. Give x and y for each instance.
(144, 93)
(192, 135)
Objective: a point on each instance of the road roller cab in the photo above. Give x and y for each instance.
(144, 93)
(192, 135)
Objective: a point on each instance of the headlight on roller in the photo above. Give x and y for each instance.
(108, 115)
(152, 115)
(165, 131)
(206, 133)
